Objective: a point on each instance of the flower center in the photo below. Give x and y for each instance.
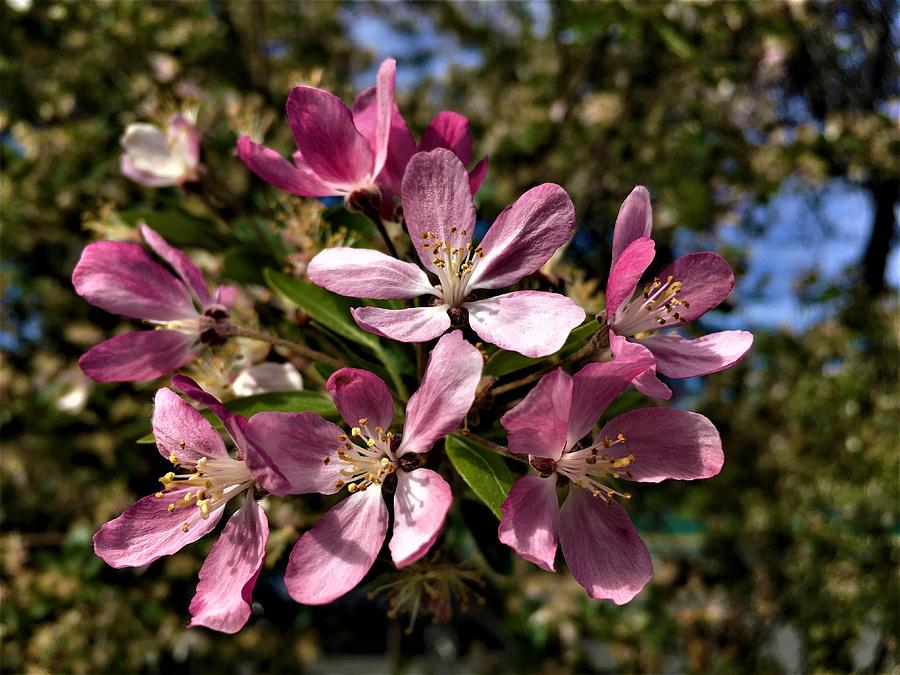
(585, 467)
(654, 308)
(216, 481)
(455, 261)
(367, 462)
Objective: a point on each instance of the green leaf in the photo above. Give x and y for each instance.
(147, 439)
(178, 228)
(284, 401)
(503, 362)
(482, 469)
(245, 265)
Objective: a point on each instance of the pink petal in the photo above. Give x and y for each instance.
(290, 451)
(706, 280)
(277, 171)
(533, 323)
(226, 295)
(604, 552)
(679, 357)
(229, 573)
(477, 174)
(448, 130)
(364, 273)
(633, 222)
(401, 145)
(530, 520)
(357, 394)
(666, 443)
(524, 237)
(234, 424)
(139, 356)
(183, 125)
(646, 382)
(597, 385)
(626, 272)
(650, 385)
(416, 324)
(437, 198)
(384, 101)
(447, 391)
(123, 279)
(183, 266)
(537, 425)
(146, 530)
(420, 507)
(181, 431)
(327, 139)
(334, 556)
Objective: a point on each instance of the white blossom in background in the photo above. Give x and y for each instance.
(162, 158)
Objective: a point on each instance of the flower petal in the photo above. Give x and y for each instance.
(604, 552)
(679, 357)
(420, 507)
(533, 323)
(524, 236)
(537, 425)
(327, 139)
(401, 145)
(706, 280)
(666, 443)
(180, 430)
(266, 377)
(130, 170)
(290, 451)
(645, 382)
(650, 385)
(365, 273)
(277, 171)
(183, 266)
(123, 279)
(626, 272)
(415, 324)
(448, 130)
(447, 391)
(437, 198)
(530, 520)
(138, 356)
(357, 394)
(229, 573)
(146, 530)
(633, 222)
(234, 424)
(477, 174)
(334, 556)
(384, 102)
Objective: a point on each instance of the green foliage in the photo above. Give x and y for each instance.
(483, 470)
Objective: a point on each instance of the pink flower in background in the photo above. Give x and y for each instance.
(122, 278)
(600, 545)
(685, 290)
(304, 453)
(158, 158)
(205, 478)
(440, 216)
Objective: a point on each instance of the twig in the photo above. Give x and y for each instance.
(303, 350)
(499, 449)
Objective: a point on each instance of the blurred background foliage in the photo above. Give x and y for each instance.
(766, 130)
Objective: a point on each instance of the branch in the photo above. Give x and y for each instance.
(303, 350)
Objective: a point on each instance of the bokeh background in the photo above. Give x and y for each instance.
(767, 131)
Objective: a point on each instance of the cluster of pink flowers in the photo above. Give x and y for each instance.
(368, 152)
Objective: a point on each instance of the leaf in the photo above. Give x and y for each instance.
(284, 401)
(482, 469)
(503, 362)
(245, 265)
(484, 532)
(178, 228)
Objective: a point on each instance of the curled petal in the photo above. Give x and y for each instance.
(706, 280)
(633, 222)
(420, 507)
(650, 385)
(626, 272)
(384, 108)
(277, 171)
(365, 273)
(184, 266)
(530, 520)
(139, 356)
(401, 145)
(415, 324)
(448, 130)
(538, 424)
(182, 432)
(679, 357)
(360, 394)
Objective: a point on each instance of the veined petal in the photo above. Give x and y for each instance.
(139, 356)
(538, 424)
(290, 451)
(706, 280)
(146, 530)
(633, 222)
(524, 236)
(448, 130)
(437, 198)
(626, 272)
(530, 520)
(185, 268)
(679, 357)
(334, 556)
(182, 432)
(420, 507)
(401, 145)
(277, 171)
(360, 394)
(415, 324)
(604, 552)
(384, 102)
(123, 279)
(229, 573)
(666, 443)
(365, 273)
(533, 323)
(447, 391)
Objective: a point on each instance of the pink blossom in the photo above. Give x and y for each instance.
(600, 545)
(304, 453)
(681, 293)
(341, 152)
(123, 279)
(440, 216)
(203, 480)
(161, 159)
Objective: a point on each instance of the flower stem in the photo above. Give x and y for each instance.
(303, 350)
(499, 449)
